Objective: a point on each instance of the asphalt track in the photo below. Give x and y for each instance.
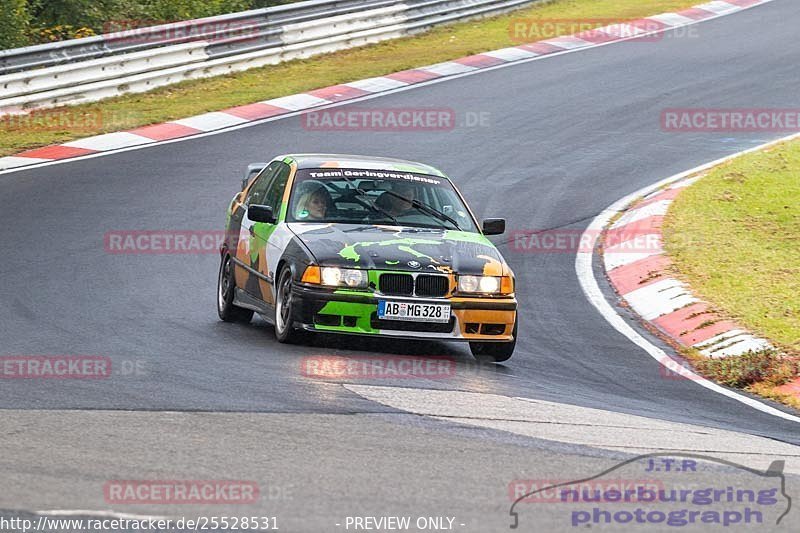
(565, 137)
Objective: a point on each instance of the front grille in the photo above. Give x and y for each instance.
(397, 284)
(433, 286)
(405, 285)
(402, 325)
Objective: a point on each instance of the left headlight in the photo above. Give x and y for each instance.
(344, 277)
(485, 284)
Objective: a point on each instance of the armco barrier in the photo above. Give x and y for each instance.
(90, 69)
(220, 27)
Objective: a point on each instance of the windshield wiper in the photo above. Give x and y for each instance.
(369, 205)
(425, 208)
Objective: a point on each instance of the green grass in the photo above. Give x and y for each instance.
(199, 96)
(735, 237)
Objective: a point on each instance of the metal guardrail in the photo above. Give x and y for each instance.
(89, 69)
(210, 28)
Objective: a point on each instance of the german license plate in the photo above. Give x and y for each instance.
(415, 312)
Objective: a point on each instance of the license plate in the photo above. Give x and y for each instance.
(415, 312)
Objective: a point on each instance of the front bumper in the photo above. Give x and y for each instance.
(352, 312)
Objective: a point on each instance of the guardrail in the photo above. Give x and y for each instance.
(130, 61)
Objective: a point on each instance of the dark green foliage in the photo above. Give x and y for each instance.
(24, 22)
(14, 21)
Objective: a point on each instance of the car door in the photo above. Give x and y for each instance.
(253, 250)
(241, 226)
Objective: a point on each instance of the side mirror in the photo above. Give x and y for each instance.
(252, 170)
(494, 226)
(261, 213)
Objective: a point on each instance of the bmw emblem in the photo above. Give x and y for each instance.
(414, 264)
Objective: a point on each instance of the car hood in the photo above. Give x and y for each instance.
(394, 248)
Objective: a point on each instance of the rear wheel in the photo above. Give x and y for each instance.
(284, 308)
(225, 286)
(494, 352)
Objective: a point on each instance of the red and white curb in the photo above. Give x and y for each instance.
(584, 269)
(641, 279)
(236, 116)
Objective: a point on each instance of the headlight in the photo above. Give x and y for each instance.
(344, 277)
(485, 284)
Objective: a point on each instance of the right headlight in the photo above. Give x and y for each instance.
(485, 284)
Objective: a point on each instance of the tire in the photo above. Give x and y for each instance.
(494, 352)
(284, 307)
(225, 286)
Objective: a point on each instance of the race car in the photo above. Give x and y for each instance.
(364, 246)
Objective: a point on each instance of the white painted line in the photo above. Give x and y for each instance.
(448, 68)
(110, 141)
(376, 85)
(640, 213)
(660, 298)
(719, 8)
(672, 19)
(585, 272)
(297, 102)
(13, 161)
(210, 121)
(355, 100)
(510, 54)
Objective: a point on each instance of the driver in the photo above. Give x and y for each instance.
(314, 202)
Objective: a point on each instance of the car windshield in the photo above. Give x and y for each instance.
(359, 196)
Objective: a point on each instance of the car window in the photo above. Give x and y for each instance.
(274, 193)
(258, 191)
(362, 196)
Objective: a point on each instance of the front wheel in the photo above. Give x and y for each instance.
(226, 310)
(494, 352)
(284, 307)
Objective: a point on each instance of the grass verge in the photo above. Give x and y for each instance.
(734, 236)
(200, 96)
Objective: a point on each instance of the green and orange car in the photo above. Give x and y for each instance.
(365, 246)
